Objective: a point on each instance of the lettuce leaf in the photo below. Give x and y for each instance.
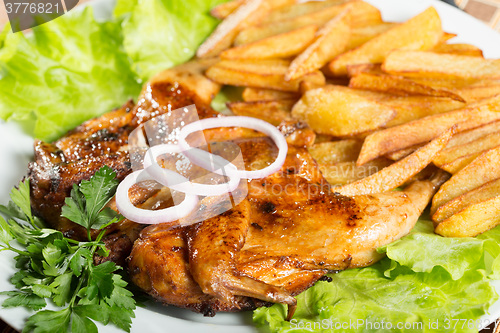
(422, 251)
(74, 68)
(69, 70)
(159, 34)
(431, 283)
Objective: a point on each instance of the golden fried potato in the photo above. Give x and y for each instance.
(439, 65)
(265, 73)
(279, 46)
(398, 85)
(459, 49)
(446, 37)
(473, 134)
(353, 70)
(248, 12)
(410, 108)
(479, 91)
(483, 169)
(333, 152)
(299, 9)
(397, 155)
(473, 220)
(470, 89)
(362, 34)
(224, 9)
(421, 32)
(400, 172)
(331, 41)
(259, 94)
(416, 107)
(425, 129)
(455, 158)
(273, 112)
(340, 111)
(485, 192)
(362, 14)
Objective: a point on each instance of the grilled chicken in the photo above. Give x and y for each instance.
(293, 230)
(288, 233)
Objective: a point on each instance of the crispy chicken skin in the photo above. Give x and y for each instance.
(288, 233)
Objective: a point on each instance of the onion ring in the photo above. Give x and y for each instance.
(181, 184)
(170, 214)
(236, 121)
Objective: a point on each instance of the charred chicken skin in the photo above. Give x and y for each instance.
(289, 231)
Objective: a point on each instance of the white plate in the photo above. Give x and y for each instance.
(16, 151)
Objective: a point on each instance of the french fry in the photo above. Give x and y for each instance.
(333, 152)
(470, 89)
(430, 64)
(397, 155)
(398, 85)
(258, 94)
(400, 172)
(473, 220)
(446, 37)
(459, 49)
(331, 41)
(473, 134)
(480, 194)
(459, 163)
(411, 107)
(421, 32)
(447, 83)
(483, 169)
(344, 173)
(479, 91)
(224, 9)
(425, 129)
(268, 74)
(299, 9)
(340, 111)
(362, 34)
(362, 14)
(353, 70)
(455, 158)
(248, 12)
(273, 112)
(279, 46)
(416, 107)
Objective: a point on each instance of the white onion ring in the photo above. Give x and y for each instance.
(179, 183)
(235, 121)
(127, 209)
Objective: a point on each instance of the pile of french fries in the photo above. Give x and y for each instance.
(389, 102)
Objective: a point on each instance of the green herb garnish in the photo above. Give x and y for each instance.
(61, 269)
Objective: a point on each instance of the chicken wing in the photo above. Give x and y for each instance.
(288, 234)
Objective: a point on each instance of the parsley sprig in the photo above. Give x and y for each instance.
(62, 270)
